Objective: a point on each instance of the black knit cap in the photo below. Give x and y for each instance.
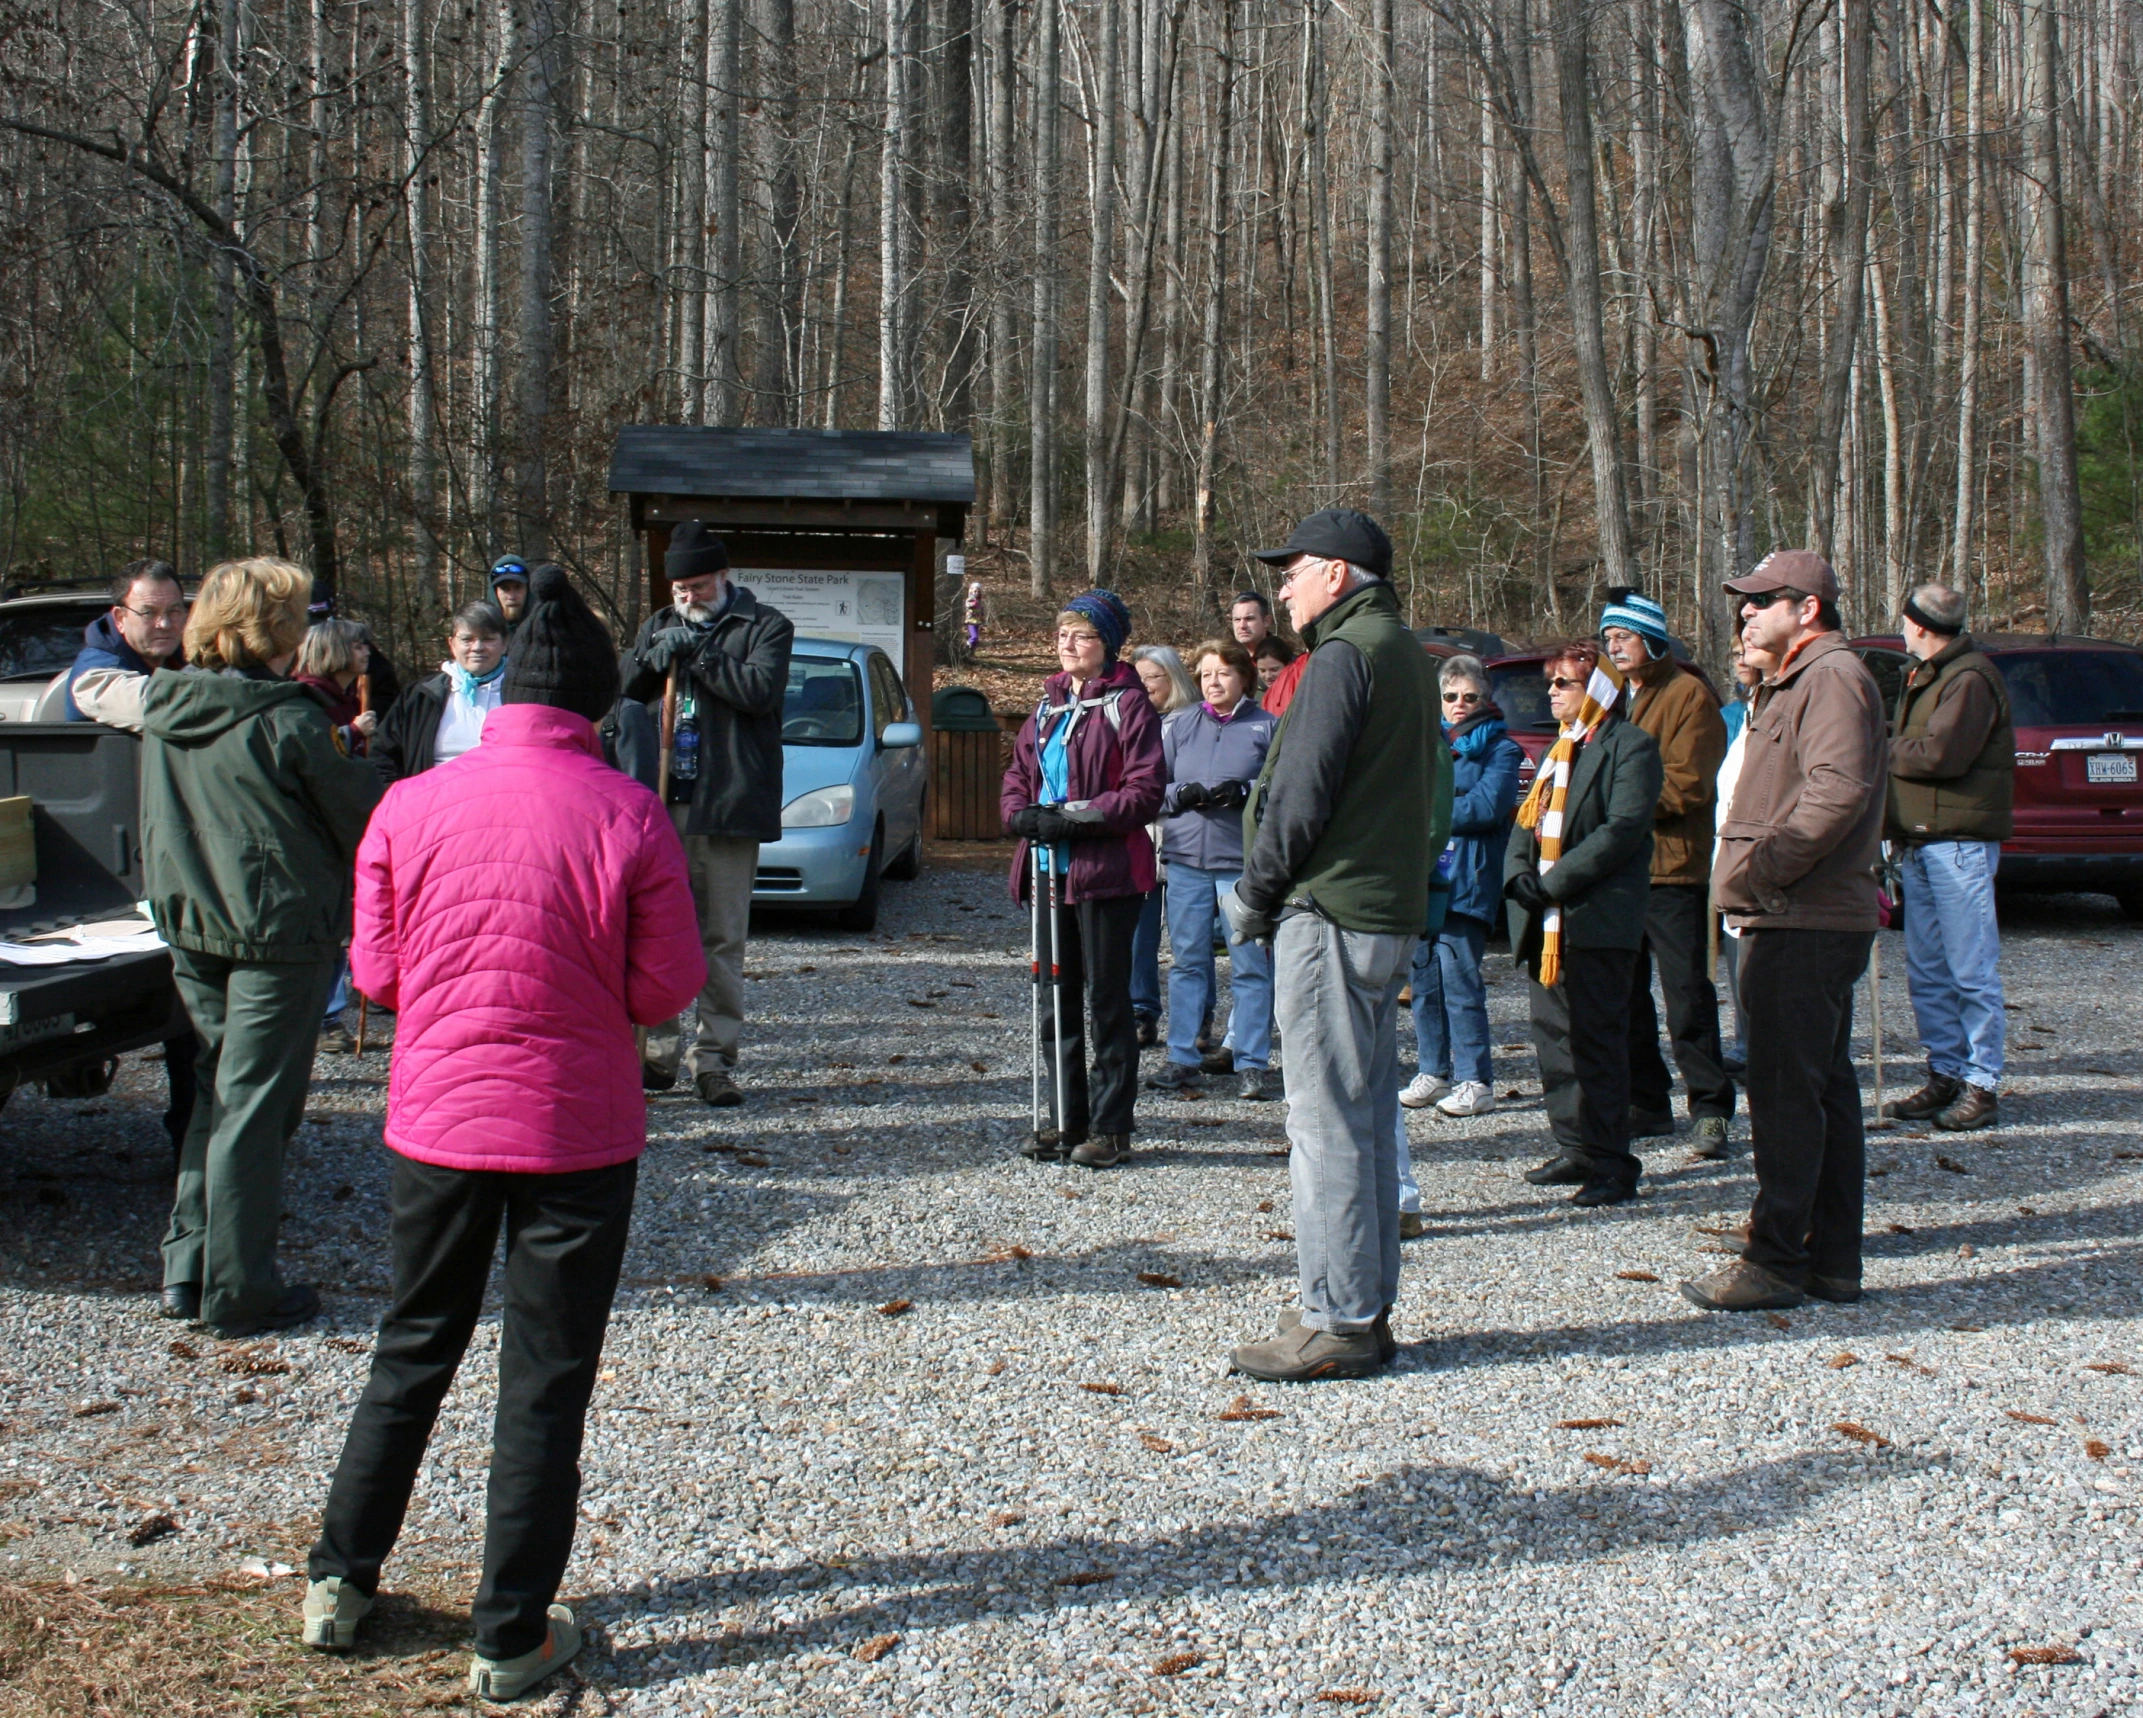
(562, 654)
(694, 550)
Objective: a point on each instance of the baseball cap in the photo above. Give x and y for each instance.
(1800, 570)
(509, 569)
(1337, 534)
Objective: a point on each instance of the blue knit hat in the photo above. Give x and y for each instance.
(1111, 620)
(1638, 614)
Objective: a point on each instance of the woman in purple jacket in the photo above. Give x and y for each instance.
(1086, 779)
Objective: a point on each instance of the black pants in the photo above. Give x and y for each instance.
(565, 1241)
(1804, 1100)
(1676, 935)
(1579, 1036)
(1094, 973)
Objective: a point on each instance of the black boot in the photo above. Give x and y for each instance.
(1564, 1169)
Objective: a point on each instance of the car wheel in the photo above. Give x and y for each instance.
(862, 913)
(90, 1080)
(909, 865)
(2131, 903)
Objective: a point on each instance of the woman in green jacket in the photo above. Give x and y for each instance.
(251, 817)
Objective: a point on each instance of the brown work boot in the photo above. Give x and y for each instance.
(1411, 1227)
(1742, 1287)
(1734, 1240)
(717, 1090)
(1299, 1354)
(1103, 1151)
(1387, 1344)
(1975, 1108)
(1938, 1094)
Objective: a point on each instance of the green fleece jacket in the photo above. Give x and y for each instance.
(250, 817)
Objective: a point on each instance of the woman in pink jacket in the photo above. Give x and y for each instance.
(521, 909)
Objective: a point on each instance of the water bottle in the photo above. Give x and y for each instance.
(684, 752)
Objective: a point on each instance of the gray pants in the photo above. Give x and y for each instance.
(1337, 1000)
(721, 868)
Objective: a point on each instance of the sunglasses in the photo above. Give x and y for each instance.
(1562, 683)
(1764, 599)
(1462, 697)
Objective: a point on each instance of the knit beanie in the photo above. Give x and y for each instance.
(562, 655)
(694, 550)
(1111, 620)
(1638, 614)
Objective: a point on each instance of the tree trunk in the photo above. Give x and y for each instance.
(780, 378)
(1212, 322)
(535, 331)
(488, 359)
(725, 74)
(1845, 222)
(1042, 347)
(892, 212)
(422, 466)
(1005, 224)
(956, 212)
(1101, 176)
(1316, 97)
(1974, 268)
(1383, 48)
(223, 324)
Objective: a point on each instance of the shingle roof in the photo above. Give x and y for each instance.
(794, 464)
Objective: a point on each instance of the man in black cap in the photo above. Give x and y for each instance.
(729, 655)
(509, 591)
(1341, 837)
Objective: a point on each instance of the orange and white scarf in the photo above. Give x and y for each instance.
(1542, 811)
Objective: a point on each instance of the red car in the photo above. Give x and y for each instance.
(2078, 706)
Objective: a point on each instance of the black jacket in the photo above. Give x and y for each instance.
(739, 677)
(1603, 880)
(402, 745)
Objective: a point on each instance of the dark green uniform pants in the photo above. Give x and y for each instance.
(258, 1023)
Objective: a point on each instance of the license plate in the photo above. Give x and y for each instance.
(2109, 766)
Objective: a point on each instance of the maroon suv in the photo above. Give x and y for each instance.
(2078, 705)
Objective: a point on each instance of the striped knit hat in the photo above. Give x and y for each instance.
(1638, 614)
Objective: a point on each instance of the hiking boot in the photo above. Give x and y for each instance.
(297, 1304)
(1411, 1227)
(1423, 1091)
(1938, 1094)
(1564, 1169)
(1467, 1098)
(1103, 1151)
(333, 1609)
(338, 1040)
(1149, 1031)
(180, 1300)
(1711, 1139)
(1734, 1240)
(1250, 1085)
(1046, 1145)
(1299, 1354)
(1975, 1108)
(1387, 1344)
(510, 1678)
(1742, 1287)
(1175, 1077)
(1605, 1190)
(717, 1090)
(1839, 1291)
(1651, 1124)
(653, 1079)
(1220, 1060)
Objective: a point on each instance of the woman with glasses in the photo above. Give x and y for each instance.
(1450, 1001)
(443, 716)
(1169, 688)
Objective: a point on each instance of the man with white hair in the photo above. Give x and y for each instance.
(1952, 772)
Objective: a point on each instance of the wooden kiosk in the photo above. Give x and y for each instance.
(838, 529)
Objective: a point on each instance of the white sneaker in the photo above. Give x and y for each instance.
(1468, 1098)
(1425, 1090)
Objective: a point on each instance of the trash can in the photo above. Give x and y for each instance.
(967, 766)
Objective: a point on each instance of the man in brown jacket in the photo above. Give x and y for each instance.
(1952, 771)
(1679, 712)
(1795, 875)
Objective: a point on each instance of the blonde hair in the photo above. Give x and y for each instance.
(330, 648)
(247, 613)
(1182, 689)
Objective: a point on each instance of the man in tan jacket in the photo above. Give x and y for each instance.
(1677, 709)
(1795, 875)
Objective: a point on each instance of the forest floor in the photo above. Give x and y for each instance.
(895, 1422)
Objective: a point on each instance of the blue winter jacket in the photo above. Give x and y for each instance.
(102, 647)
(1484, 799)
(1202, 748)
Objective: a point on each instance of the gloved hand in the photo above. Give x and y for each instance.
(1052, 826)
(1529, 892)
(1193, 796)
(1027, 822)
(673, 644)
(1245, 924)
(1227, 795)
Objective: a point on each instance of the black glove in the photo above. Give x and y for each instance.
(1052, 826)
(673, 644)
(1529, 892)
(1027, 821)
(1228, 795)
(1193, 796)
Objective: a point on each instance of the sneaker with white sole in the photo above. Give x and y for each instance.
(510, 1678)
(1468, 1098)
(1424, 1091)
(333, 1609)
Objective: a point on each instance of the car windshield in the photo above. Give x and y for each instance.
(2072, 688)
(1521, 693)
(824, 705)
(39, 643)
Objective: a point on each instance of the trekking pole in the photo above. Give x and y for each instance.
(1034, 973)
(662, 793)
(1875, 1002)
(364, 1009)
(1056, 1001)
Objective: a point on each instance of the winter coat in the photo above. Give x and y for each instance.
(1202, 748)
(522, 912)
(250, 816)
(1485, 762)
(738, 678)
(1800, 849)
(103, 646)
(341, 709)
(1677, 709)
(1116, 769)
(1953, 753)
(403, 742)
(1603, 879)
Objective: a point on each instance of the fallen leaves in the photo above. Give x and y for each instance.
(2097, 1449)
(1086, 1578)
(1264, 1207)
(979, 1067)
(1242, 1408)
(1009, 1254)
(1159, 1279)
(183, 1350)
(1859, 1434)
(1778, 1321)
(1004, 1518)
(711, 1283)
(250, 1363)
(149, 1529)
(1279, 1234)
(1840, 1361)
(2116, 1368)
(2044, 1655)
(1349, 1697)
(1159, 1446)
(1101, 1389)
(1585, 1425)
(1897, 1229)
(90, 1410)
(1636, 1277)
(1176, 1663)
(347, 1344)
(1950, 1164)
(895, 1308)
(2030, 1419)
(1910, 1364)
(872, 1650)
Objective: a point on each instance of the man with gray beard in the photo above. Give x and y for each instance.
(731, 657)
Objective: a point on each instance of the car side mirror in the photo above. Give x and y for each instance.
(901, 734)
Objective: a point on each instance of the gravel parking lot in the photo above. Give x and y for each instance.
(896, 1422)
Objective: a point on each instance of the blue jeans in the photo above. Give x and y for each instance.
(1193, 905)
(1953, 955)
(1146, 959)
(1451, 1002)
(339, 998)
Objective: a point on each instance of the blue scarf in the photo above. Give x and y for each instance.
(1477, 739)
(466, 683)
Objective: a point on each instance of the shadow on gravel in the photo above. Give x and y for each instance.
(1387, 1523)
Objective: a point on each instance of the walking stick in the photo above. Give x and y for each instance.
(1875, 998)
(1056, 1000)
(662, 792)
(1034, 973)
(364, 1010)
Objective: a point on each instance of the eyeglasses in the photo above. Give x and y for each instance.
(1462, 697)
(158, 616)
(1562, 683)
(1764, 599)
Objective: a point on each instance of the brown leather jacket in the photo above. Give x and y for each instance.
(1677, 709)
(1799, 851)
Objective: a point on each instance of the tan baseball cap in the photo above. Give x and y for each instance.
(1800, 570)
